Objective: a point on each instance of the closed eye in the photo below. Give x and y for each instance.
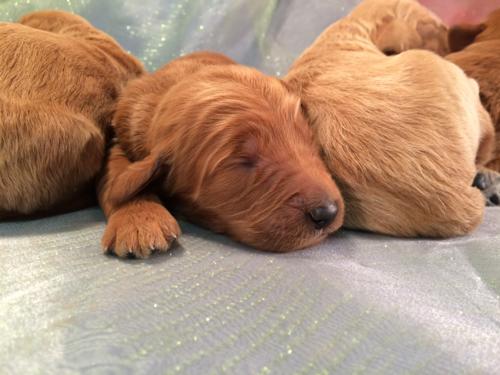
(248, 161)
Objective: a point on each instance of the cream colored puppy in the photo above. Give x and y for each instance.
(399, 25)
(401, 135)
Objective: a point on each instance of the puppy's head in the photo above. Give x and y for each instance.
(232, 151)
(462, 35)
(401, 25)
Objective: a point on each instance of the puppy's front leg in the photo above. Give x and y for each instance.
(138, 226)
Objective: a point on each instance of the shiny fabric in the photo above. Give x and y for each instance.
(359, 303)
(267, 34)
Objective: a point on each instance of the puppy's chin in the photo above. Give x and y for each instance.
(284, 242)
(280, 232)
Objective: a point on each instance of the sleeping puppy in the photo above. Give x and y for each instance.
(59, 81)
(400, 25)
(401, 135)
(477, 52)
(226, 147)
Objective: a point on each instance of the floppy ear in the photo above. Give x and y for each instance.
(434, 36)
(460, 36)
(135, 178)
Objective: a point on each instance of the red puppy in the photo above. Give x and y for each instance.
(477, 51)
(226, 146)
(59, 81)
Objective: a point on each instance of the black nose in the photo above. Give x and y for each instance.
(480, 181)
(323, 216)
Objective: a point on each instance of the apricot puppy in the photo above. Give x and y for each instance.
(477, 51)
(59, 81)
(395, 26)
(401, 135)
(226, 147)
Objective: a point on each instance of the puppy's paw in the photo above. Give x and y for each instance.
(488, 182)
(139, 229)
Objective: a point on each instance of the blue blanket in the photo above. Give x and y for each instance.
(357, 303)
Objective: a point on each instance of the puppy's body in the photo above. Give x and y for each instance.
(477, 51)
(59, 81)
(399, 134)
(224, 145)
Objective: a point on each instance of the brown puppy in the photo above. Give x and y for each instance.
(477, 52)
(399, 134)
(59, 81)
(226, 146)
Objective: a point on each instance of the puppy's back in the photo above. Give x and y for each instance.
(59, 82)
(401, 148)
(78, 29)
(477, 51)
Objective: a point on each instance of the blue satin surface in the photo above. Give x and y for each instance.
(357, 303)
(267, 34)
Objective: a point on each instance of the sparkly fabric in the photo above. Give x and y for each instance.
(357, 303)
(267, 34)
